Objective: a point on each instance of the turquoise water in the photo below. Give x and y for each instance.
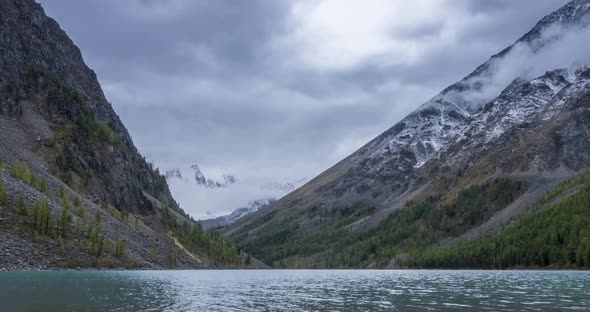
(295, 290)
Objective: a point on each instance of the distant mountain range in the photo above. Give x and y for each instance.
(197, 177)
(236, 214)
(193, 175)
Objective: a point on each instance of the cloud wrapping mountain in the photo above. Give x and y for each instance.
(272, 91)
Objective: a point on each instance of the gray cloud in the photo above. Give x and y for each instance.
(222, 83)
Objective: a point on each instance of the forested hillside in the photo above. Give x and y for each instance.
(554, 233)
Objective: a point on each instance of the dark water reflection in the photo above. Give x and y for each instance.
(322, 290)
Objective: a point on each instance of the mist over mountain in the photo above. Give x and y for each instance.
(463, 165)
(230, 106)
(237, 214)
(74, 190)
(289, 88)
(197, 177)
(211, 196)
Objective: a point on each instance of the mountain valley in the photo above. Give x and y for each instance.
(467, 163)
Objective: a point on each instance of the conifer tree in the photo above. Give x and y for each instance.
(64, 222)
(80, 209)
(119, 248)
(43, 186)
(65, 199)
(3, 194)
(21, 207)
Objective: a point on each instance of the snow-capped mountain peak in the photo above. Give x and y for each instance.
(173, 173)
(445, 117)
(237, 214)
(199, 178)
(198, 175)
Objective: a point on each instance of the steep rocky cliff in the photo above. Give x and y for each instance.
(75, 190)
(45, 81)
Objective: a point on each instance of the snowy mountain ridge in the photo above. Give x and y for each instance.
(522, 116)
(445, 118)
(199, 178)
(236, 214)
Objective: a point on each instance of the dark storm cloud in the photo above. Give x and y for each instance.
(172, 37)
(504, 16)
(223, 83)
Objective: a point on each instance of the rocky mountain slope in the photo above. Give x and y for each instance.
(74, 190)
(497, 124)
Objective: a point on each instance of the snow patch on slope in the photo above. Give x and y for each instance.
(445, 118)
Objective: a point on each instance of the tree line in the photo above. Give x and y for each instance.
(555, 233)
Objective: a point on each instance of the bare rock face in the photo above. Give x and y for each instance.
(43, 75)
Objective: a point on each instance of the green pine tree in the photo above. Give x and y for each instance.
(42, 221)
(21, 207)
(33, 179)
(43, 186)
(65, 199)
(119, 248)
(3, 194)
(64, 222)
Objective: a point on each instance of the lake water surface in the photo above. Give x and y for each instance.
(295, 290)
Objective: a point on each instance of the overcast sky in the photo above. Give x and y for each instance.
(273, 90)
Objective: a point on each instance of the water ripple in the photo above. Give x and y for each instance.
(295, 290)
